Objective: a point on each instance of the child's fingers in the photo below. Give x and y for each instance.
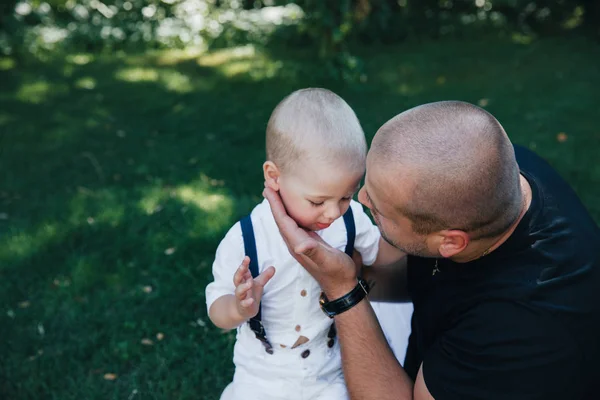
(240, 273)
(265, 276)
(242, 289)
(247, 275)
(247, 302)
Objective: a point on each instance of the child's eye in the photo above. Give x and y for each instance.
(347, 198)
(315, 204)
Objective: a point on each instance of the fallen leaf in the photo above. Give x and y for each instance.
(10, 313)
(132, 394)
(562, 137)
(147, 342)
(110, 377)
(90, 220)
(170, 251)
(147, 289)
(24, 304)
(3, 216)
(160, 336)
(483, 102)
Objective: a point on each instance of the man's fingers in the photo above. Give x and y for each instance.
(312, 247)
(318, 252)
(307, 248)
(265, 276)
(275, 202)
(240, 273)
(287, 226)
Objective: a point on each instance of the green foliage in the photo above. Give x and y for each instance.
(34, 27)
(38, 28)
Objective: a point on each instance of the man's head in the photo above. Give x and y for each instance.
(440, 176)
(316, 153)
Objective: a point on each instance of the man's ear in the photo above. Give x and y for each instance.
(453, 242)
(271, 174)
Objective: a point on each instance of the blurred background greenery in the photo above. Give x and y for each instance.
(132, 138)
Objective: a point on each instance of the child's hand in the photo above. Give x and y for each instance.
(248, 291)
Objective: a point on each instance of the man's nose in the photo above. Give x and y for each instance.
(362, 197)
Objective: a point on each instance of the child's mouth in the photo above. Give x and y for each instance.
(322, 226)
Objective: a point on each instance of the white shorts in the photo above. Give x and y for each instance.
(264, 389)
(311, 371)
(280, 376)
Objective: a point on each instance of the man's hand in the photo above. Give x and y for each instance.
(333, 269)
(248, 291)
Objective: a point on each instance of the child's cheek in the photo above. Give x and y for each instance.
(303, 216)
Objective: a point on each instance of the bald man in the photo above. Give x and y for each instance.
(503, 267)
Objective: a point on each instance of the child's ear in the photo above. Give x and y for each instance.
(272, 174)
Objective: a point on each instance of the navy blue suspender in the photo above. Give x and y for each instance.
(350, 231)
(250, 250)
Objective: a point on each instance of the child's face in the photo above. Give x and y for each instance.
(316, 195)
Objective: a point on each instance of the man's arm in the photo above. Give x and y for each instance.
(370, 368)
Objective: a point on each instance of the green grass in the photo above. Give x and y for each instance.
(120, 173)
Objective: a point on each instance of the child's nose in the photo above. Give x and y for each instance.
(333, 212)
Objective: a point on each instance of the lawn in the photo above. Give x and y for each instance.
(119, 174)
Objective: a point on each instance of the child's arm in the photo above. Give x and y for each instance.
(231, 310)
(387, 275)
(387, 265)
(387, 254)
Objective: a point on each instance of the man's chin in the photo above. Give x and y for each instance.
(413, 250)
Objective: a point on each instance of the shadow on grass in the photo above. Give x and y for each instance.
(120, 173)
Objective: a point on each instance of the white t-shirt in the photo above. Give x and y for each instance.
(290, 303)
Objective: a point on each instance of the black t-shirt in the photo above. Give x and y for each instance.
(522, 322)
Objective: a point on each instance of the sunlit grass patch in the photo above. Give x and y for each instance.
(39, 91)
(87, 83)
(7, 63)
(238, 61)
(24, 244)
(137, 74)
(89, 207)
(170, 79)
(80, 59)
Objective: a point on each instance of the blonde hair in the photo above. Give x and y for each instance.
(315, 125)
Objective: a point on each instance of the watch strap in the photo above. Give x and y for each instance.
(346, 302)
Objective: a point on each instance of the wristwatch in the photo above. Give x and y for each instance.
(346, 302)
